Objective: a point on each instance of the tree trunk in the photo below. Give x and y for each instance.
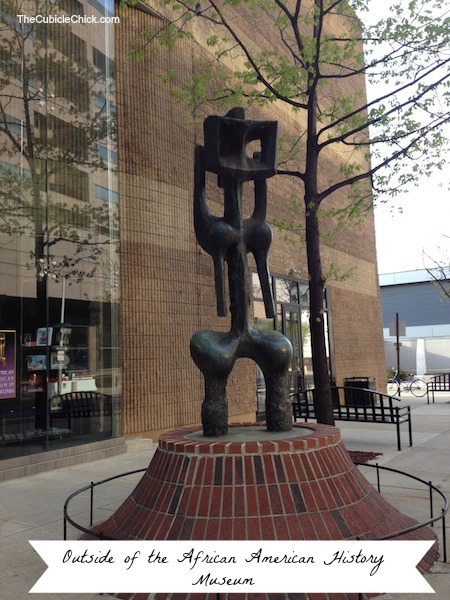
(39, 220)
(41, 398)
(323, 404)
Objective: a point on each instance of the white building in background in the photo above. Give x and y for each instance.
(425, 313)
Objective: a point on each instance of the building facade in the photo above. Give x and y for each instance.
(102, 281)
(423, 312)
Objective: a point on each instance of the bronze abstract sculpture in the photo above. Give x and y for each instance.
(229, 239)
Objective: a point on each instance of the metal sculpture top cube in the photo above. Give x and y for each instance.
(226, 141)
(229, 239)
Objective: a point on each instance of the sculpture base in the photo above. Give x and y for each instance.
(257, 485)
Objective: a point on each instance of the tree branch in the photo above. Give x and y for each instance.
(396, 109)
(368, 174)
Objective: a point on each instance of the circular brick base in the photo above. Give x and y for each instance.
(299, 485)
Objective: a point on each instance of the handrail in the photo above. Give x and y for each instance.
(369, 390)
(418, 525)
(351, 389)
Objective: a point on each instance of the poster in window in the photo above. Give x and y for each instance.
(44, 336)
(36, 362)
(7, 364)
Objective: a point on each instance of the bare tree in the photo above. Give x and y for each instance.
(439, 271)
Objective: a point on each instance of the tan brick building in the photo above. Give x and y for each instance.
(108, 139)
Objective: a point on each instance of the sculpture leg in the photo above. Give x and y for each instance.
(272, 351)
(214, 353)
(278, 404)
(215, 407)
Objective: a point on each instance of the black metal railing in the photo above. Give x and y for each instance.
(91, 488)
(357, 404)
(433, 519)
(431, 489)
(438, 383)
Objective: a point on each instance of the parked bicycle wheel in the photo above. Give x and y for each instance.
(418, 388)
(399, 389)
(394, 385)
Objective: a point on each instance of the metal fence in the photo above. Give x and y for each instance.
(432, 491)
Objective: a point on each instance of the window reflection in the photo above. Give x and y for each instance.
(59, 264)
(256, 286)
(292, 319)
(286, 291)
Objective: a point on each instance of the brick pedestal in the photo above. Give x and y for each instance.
(299, 485)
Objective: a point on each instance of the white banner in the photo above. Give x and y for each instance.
(231, 566)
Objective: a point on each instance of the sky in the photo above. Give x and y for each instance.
(421, 226)
(417, 221)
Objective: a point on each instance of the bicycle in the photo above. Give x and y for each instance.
(416, 386)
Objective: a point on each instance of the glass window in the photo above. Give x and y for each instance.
(107, 154)
(261, 322)
(106, 194)
(292, 319)
(102, 63)
(256, 286)
(63, 40)
(106, 7)
(103, 104)
(69, 181)
(286, 291)
(12, 125)
(71, 7)
(69, 85)
(59, 262)
(304, 294)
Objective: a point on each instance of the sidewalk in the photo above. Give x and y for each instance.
(31, 508)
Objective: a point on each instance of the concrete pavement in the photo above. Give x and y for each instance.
(31, 507)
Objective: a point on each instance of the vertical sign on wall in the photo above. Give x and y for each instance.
(7, 364)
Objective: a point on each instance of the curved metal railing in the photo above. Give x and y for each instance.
(91, 487)
(432, 488)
